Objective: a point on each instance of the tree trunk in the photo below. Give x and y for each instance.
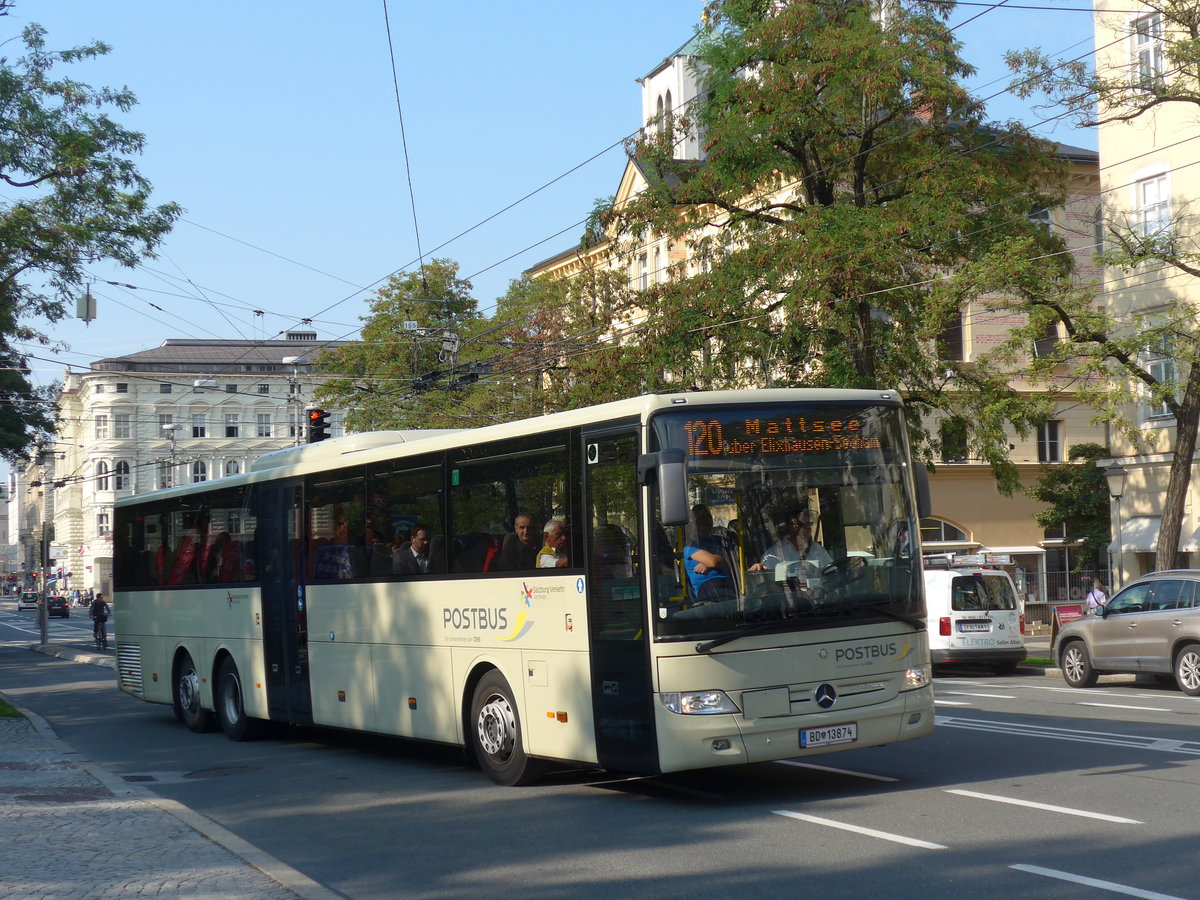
(1186, 423)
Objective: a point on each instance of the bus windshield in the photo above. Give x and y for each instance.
(801, 517)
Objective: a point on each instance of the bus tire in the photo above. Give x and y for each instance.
(186, 697)
(495, 734)
(231, 709)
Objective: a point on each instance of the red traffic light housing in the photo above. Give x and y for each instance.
(318, 425)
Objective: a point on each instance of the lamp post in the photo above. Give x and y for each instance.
(295, 398)
(169, 431)
(1116, 475)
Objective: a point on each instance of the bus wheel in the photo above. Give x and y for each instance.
(495, 734)
(231, 711)
(187, 697)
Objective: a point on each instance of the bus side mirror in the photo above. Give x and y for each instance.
(921, 480)
(669, 467)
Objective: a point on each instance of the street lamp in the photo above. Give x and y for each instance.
(1116, 475)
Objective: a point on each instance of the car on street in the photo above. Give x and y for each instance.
(974, 616)
(1151, 625)
(58, 606)
(28, 600)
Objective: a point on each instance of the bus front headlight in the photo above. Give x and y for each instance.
(916, 677)
(698, 703)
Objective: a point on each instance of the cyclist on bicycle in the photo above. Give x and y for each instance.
(100, 611)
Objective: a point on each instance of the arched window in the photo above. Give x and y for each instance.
(199, 472)
(670, 108)
(121, 480)
(659, 111)
(938, 531)
(102, 476)
(232, 467)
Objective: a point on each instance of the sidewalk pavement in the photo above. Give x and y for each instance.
(75, 831)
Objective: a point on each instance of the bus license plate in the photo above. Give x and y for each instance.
(974, 626)
(830, 734)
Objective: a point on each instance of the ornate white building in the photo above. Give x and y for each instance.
(187, 411)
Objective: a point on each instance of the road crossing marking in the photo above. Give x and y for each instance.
(1095, 882)
(1130, 741)
(804, 765)
(1066, 810)
(858, 829)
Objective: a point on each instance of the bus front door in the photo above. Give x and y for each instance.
(622, 690)
(285, 619)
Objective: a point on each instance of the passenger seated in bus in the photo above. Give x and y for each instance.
(703, 560)
(553, 554)
(519, 551)
(795, 544)
(379, 554)
(182, 568)
(413, 557)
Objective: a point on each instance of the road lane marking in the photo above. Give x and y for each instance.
(804, 765)
(1111, 739)
(1095, 882)
(1066, 810)
(858, 829)
(972, 694)
(1123, 706)
(937, 702)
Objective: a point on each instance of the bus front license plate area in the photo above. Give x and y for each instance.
(830, 734)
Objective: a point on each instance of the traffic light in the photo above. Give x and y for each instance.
(318, 425)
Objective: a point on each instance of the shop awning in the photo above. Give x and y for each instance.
(1138, 535)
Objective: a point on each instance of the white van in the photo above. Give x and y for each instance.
(974, 615)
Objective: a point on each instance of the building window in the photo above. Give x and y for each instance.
(1040, 217)
(121, 481)
(293, 388)
(231, 425)
(165, 419)
(1046, 344)
(936, 530)
(1098, 230)
(198, 427)
(122, 425)
(1148, 51)
(164, 474)
(102, 525)
(643, 272)
(102, 476)
(951, 343)
(264, 389)
(264, 425)
(1160, 365)
(164, 388)
(101, 427)
(199, 472)
(1152, 215)
(122, 387)
(99, 389)
(231, 388)
(232, 467)
(1049, 442)
(295, 425)
(954, 441)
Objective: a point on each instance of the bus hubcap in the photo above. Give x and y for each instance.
(497, 727)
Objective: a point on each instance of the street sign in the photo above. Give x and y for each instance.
(58, 551)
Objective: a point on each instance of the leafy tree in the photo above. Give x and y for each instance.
(1078, 498)
(847, 174)
(81, 200)
(1103, 345)
(402, 378)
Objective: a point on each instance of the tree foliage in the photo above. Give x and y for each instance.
(1077, 495)
(1110, 351)
(76, 198)
(848, 173)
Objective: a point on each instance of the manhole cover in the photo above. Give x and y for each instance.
(222, 772)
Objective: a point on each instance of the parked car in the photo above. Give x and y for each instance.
(28, 600)
(58, 606)
(974, 617)
(1151, 625)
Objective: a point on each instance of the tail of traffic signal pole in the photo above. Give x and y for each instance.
(318, 425)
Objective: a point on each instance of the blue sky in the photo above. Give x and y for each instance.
(275, 126)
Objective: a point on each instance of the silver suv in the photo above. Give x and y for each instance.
(1152, 625)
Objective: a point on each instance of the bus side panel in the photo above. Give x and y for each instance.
(414, 694)
(343, 685)
(558, 705)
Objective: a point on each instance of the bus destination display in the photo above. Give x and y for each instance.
(770, 435)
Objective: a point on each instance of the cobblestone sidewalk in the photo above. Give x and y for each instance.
(70, 829)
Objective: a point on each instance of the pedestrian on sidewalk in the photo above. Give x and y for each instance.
(1095, 597)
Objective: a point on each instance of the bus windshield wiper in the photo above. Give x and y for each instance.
(706, 646)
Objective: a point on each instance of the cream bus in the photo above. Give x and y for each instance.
(730, 577)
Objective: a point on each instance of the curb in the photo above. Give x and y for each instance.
(277, 870)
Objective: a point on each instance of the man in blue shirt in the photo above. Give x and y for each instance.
(704, 560)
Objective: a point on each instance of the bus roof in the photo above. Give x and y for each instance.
(375, 446)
